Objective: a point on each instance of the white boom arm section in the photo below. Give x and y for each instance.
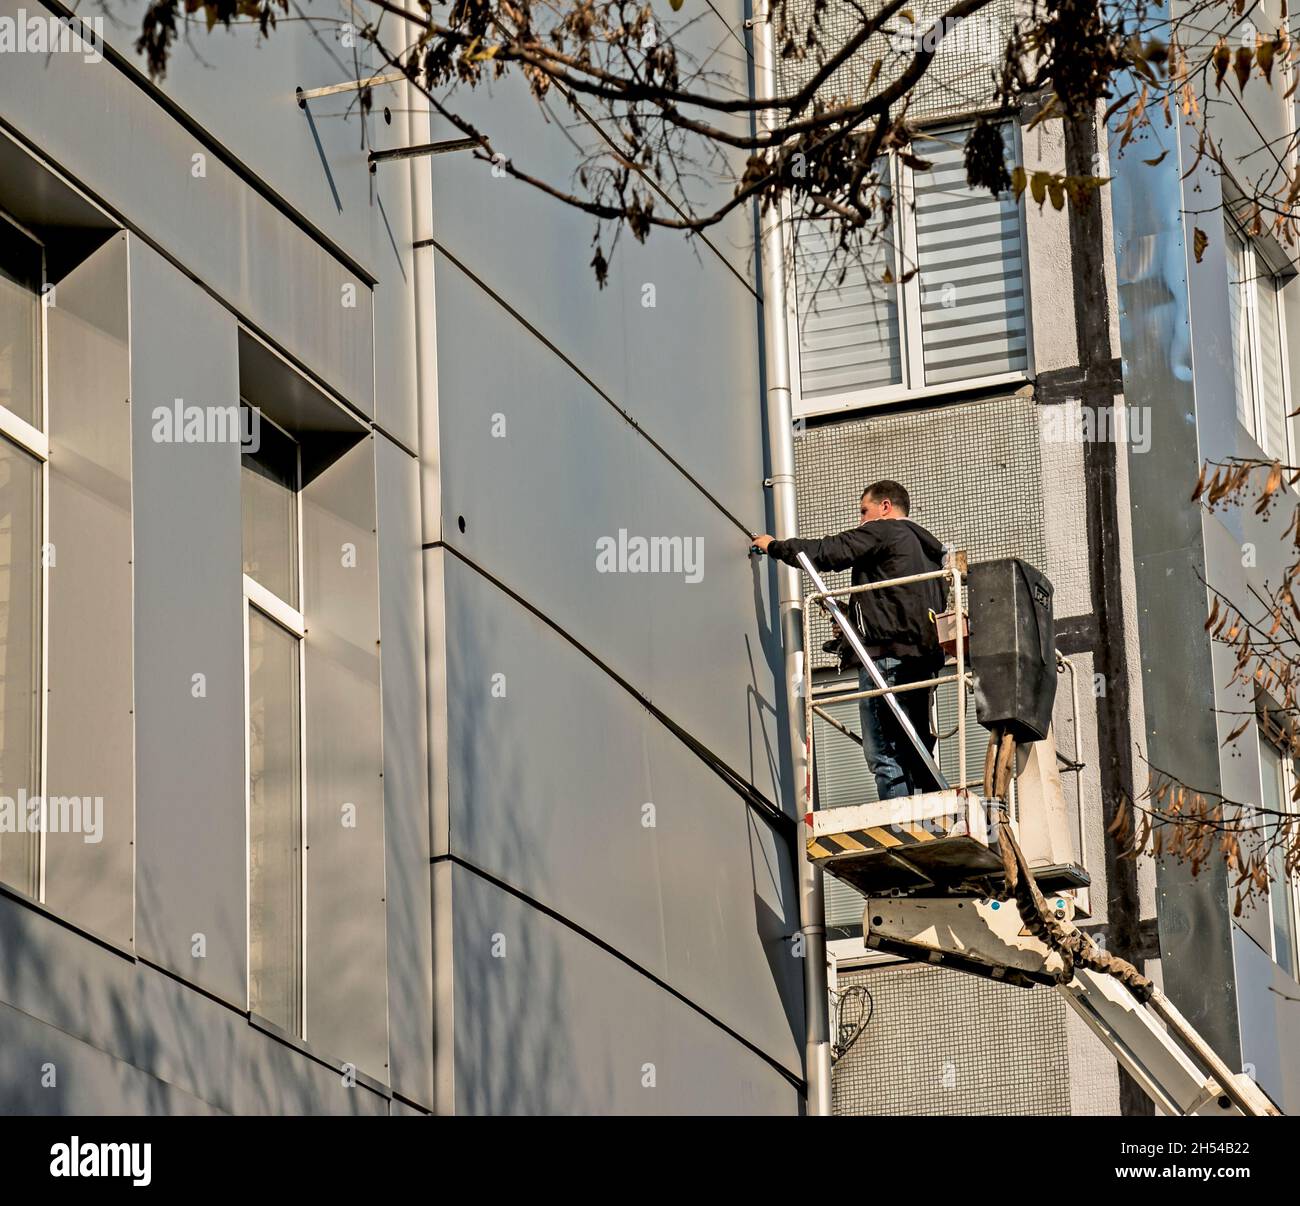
(1153, 1042)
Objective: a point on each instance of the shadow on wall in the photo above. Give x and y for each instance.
(774, 765)
(407, 883)
(168, 1048)
(515, 1048)
(94, 1000)
(777, 931)
(544, 1017)
(767, 623)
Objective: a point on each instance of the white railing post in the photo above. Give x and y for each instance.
(858, 647)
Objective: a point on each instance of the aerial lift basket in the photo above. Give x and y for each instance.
(937, 888)
(941, 840)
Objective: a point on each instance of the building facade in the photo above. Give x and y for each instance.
(399, 788)
(380, 644)
(1211, 337)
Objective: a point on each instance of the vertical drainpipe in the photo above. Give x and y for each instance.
(418, 121)
(780, 438)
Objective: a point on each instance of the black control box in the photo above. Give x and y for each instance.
(1012, 647)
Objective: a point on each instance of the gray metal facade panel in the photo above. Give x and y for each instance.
(1240, 769)
(714, 643)
(1151, 272)
(126, 1036)
(397, 395)
(347, 996)
(192, 842)
(692, 363)
(397, 322)
(82, 115)
(1169, 560)
(408, 888)
(686, 369)
(399, 1109)
(569, 473)
(190, 777)
(148, 1018)
(938, 1042)
(1244, 554)
(553, 1024)
(730, 903)
(552, 767)
(235, 81)
(90, 733)
(1257, 124)
(44, 1071)
(1270, 1030)
(714, 38)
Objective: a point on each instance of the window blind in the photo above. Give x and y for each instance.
(1272, 388)
(972, 269)
(848, 330)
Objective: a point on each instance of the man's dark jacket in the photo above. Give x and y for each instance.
(896, 621)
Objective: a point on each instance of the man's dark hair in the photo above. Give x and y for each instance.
(895, 493)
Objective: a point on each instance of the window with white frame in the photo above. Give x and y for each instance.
(1277, 790)
(1277, 783)
(24, 454)
(1255, 314)
(939, 301)
(274, 631)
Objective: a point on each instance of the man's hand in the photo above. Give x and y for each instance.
(760, 542)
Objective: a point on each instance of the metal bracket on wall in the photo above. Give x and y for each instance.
(320, 149)
(424, 148)
(374, 81)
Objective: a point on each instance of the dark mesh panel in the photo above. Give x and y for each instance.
(960, 80)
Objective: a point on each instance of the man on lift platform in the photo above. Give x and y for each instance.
(895, 624)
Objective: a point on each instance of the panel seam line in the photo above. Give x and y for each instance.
(519, 894)
(742, 787)
(582, 376)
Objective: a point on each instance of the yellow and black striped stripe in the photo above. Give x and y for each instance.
(879, 837)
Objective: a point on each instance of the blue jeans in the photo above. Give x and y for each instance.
(894, 761)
